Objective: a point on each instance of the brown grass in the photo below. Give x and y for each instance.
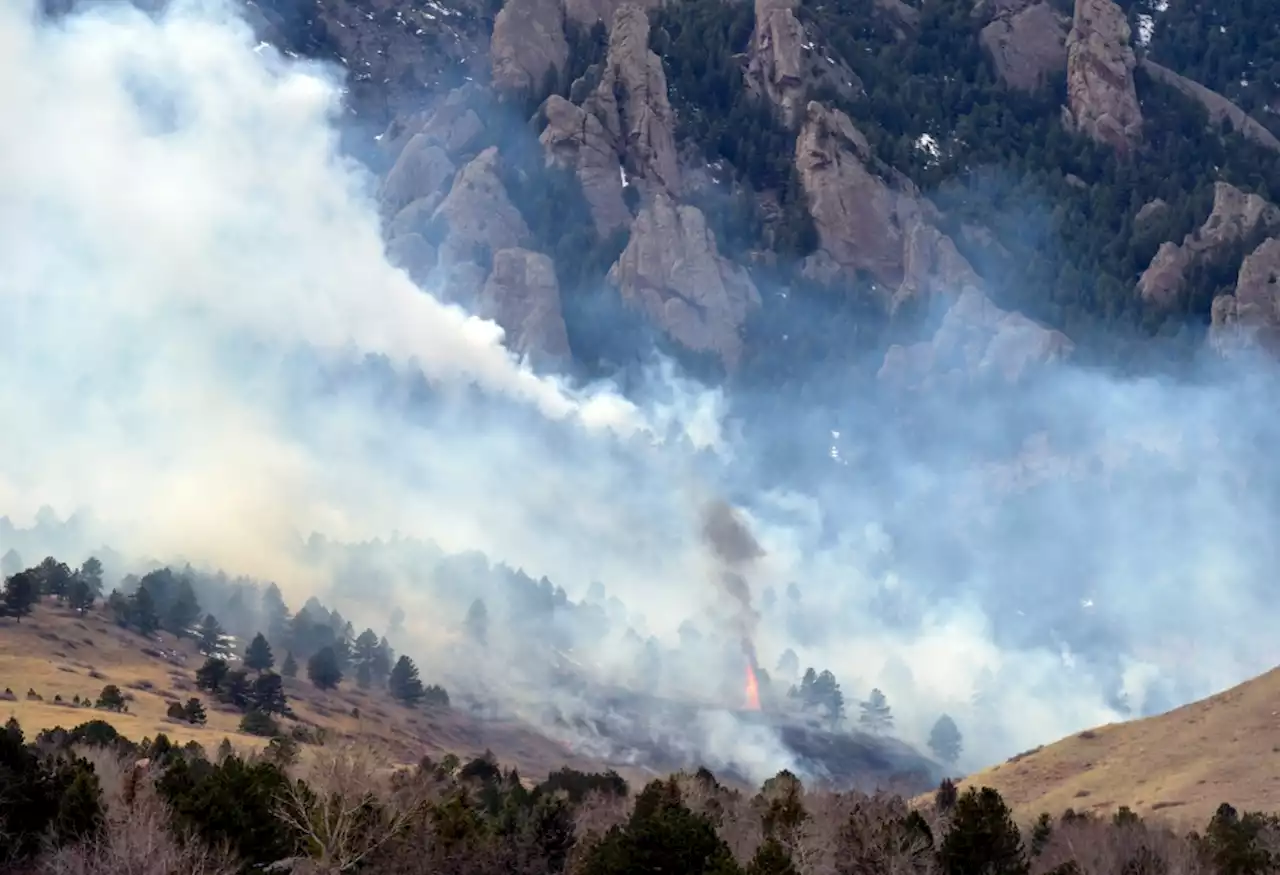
(92, 651)
(1179, 766)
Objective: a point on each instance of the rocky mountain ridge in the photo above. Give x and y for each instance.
(454, 224)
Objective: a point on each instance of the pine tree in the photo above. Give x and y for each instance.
(364, 654)
(404, 682)
(211, 676)
(80, 594)
(275, 612)
(184, 610)
(21, 592)
(323, 669)
(237, 689)
(876, 716)
(142, 612)
(257, 655)
(209, 640)
(290, 667)
(194, 711)
(55, 578)
(110, 699)
(944, 740)
(982, 837)
(383, 660)
(267, 694)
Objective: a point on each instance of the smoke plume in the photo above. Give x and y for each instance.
(207, 356)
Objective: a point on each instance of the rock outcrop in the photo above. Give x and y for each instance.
(1234, 217)
(575, 138)
(976, 342)
(856, 214)
(776, 58)
(523, 296)
(1218, 107)
(631, 101)
(1101, 100)
(672, 271)
(477, 217)
(528, 43)
(1250, 318)
(1027, 41)
(588, 12)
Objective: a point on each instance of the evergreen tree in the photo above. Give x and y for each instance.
(257, 655)
(404, 683)
(142, 612)
(55, 578)
(364, 654)
(237, 689)
(259, 723)
(876, 716)
(211, 676)
(982, 837)
(290, 667)
(323, 669)
(183, 611)
(275, 613)
(21, 592)
(194, 712)
(209, 640)
(80, 595)
(944, 740)
(267, 694)
(110, 699)
(383, 660)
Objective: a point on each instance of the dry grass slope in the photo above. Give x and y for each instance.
(1177, 766)
(58, 653)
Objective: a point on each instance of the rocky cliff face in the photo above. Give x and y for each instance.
(1249, 319)
(1027, 41)
(977, 341)
(576, 138)
(631, 101)
(1235, 215)
(672, 271)
(856, 214)
(528, 43)
(1101, 100)
(523, 296)
(776, 65)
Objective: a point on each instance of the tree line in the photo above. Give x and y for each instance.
(87, 800)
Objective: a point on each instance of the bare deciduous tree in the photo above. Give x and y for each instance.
(348, 807)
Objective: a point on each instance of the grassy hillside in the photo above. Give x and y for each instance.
(1180, 765)
(57, 653)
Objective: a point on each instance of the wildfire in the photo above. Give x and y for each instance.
(753, 690)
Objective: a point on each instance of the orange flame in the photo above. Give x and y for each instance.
(753, 690)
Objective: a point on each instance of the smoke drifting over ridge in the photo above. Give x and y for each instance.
(187, 269)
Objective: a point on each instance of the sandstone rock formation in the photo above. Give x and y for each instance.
(575, 138)
(1101, 101)
(1250, 318)
(1218, 107)
(631, 101)
(477, 215)
(977, 341)
(528, 43)
(588, 12)
(1027, 41)
(1235, 215)
(420, 171)
(776, 58)
(523, 296)
(855, 213)
(672, 271)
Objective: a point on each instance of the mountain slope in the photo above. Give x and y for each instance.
(1180, 765)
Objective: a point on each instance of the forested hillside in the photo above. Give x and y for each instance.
(985, 134)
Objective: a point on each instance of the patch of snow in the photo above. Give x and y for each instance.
(1146, 27)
